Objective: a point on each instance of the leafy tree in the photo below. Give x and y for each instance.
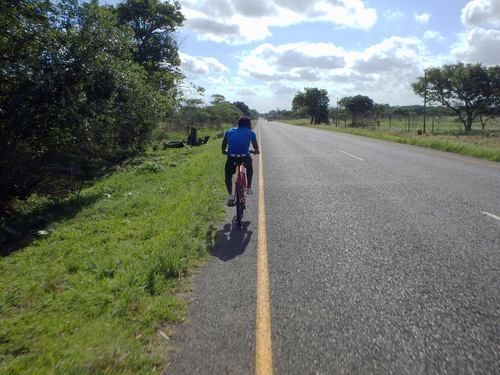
(493, 110)
(357, 106)
(217, 99)
(224, 112)
(254, 114)
(154, 24)
(243, 108)
(381, 110)
(468, 90)
(25, 28)
(192, 113)
(314, 103)
(69, 90)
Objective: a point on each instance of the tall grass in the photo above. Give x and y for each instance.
(89, 294)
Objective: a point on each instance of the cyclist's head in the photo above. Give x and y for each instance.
(245, 121)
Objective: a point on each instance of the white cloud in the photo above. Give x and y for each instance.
(422, 18)
(346, 13)
(481, 41)
(281, 89)
(208, 29)
(191, 64)
(255, 8)
(481, 13)
(216, 66)
(243, 21)
(478, 45)
(215, 9)
(433, 35)
(202, 66)
(300, 61)
(383, 71)
(393, 14)
(218, 82)
(392, 54)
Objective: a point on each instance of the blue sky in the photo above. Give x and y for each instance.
(262, 52)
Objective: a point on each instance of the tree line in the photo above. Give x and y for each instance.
(471, 92)
(194, 112)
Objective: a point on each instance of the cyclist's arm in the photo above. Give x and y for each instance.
(255, 147)
(224, 145)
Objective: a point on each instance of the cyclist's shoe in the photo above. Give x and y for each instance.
(230, 200)
(249, 191)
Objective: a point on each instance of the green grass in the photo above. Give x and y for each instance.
(448, 137)
(90, 293)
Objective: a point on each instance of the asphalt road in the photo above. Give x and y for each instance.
(383, 258)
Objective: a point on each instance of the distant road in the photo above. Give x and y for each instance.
(383, 258)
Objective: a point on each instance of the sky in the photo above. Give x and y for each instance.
(263, 52)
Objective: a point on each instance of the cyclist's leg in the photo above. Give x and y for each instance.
(230, 169)
(249, 167)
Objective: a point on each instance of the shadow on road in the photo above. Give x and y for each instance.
(231, 241)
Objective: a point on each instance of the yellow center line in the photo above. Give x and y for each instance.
(263, 349)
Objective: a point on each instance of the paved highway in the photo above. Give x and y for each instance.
(383, 258)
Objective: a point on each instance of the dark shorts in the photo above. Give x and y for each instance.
(230, 163)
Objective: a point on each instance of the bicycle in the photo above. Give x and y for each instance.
(240, 188)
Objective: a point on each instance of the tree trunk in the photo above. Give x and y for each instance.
(192, 138)
(468, 127)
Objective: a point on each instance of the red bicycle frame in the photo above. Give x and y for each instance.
(240, 187)
(242, 179)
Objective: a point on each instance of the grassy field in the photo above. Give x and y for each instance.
(446, 135)
(90, 293)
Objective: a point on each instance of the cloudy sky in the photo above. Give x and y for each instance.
(262, 52)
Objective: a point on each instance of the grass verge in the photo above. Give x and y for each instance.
(89, 294)
(484, 147)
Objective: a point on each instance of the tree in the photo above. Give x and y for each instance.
(217, 99)
(493, 110)
(468, 90)
(154, 23)
(314, 103)
(243, 108)
(356, 106)
(254, 114)
(70, 90)
(224, 112)
(381, 110)
(24, 27)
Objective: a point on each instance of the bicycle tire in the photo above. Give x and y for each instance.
(239, 205)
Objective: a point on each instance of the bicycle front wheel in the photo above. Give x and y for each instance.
(239, 204)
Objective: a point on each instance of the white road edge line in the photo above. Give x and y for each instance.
(355, 157)
(491, 215)
(312, 139)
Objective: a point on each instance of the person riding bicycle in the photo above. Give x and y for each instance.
(237, 141)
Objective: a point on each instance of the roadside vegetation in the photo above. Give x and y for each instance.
(96, 277)
(100, 222)
(443, 133)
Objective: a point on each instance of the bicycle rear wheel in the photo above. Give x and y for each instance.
(239, 204)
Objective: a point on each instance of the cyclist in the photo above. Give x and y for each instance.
(237, 141)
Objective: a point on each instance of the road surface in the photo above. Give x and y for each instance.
(382, 258)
